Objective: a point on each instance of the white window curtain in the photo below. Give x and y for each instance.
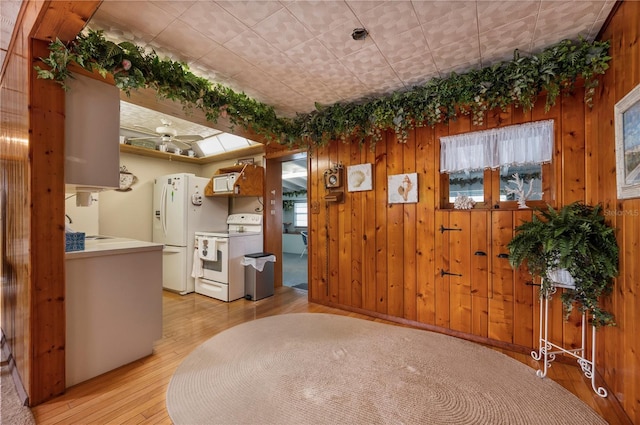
(530, 143)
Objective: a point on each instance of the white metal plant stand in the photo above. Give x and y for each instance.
(547, 350)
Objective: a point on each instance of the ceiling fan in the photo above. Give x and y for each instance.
(167, 136)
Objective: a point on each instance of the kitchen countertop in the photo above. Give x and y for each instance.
(112, 246)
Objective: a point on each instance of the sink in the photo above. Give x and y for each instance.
(97, 237)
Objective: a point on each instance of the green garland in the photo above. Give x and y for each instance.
(517, 82)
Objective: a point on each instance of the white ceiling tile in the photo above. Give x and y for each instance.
(250, 12)
(361, 6)
(190, 43)
(322, 16)
(389, 19)
(553, 17)
(459, 69)
(365, 60)
(224, 61)
(403, 46)
(175, 8)
(515, 35)
(311, 53)
(457, 29)
(416, 69)
(455, 54)
(439, 13)
(9, 11)
(251, 47)
(332, 65)
(148, 17)
(494, 14)
(282, 30)
(381, 79)
(213, 21)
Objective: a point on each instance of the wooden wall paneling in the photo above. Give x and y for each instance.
(272, 223)
(460, 267)
(357, 230)
(15, 197)
(461, 124)
(319, 237)
(395, 232)
(501, 300)
(480, 228)
(46, 151)
(333, 239)
(427, 167)
(498, 118)
(343, 236)
(630, 228)
(369, 234)
(629, 318)
(410, 232)
(380, 180)
(443, 263)
(623, 75)
(573, 152)
(613, 84)
(525, 298)
(313, 205)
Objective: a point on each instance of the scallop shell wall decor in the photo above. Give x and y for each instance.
(359, 178)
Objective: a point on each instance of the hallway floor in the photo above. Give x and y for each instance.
(294, 270)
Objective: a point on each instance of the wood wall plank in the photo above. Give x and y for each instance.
(480, 277)
(410, 233)
(395, 233)
(425, 229)
(380, 170)
(501, 297)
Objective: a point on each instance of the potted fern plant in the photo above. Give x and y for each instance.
(573, 248)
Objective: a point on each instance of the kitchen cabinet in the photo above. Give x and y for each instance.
(250, 181)
(92, 129)
(113, 300)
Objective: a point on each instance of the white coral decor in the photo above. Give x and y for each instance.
(519, 190)
(463, 202)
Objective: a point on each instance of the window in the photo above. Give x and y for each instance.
(531, 176)
(469, 184)
(483, 165)
(300, 216)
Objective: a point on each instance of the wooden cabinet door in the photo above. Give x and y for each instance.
(463, 270)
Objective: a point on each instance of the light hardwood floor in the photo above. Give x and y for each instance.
(135, 393)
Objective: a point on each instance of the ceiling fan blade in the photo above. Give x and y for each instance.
(154, 139)
(180, 144)
(188, 137)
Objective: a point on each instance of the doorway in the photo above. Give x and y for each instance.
(294, 224)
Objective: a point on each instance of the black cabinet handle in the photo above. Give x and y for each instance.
(450, 229)
(503, 255)
(480, 253)
(444, 273)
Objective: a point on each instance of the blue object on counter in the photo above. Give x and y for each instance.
(74, 241)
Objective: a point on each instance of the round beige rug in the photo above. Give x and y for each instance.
(317, 368)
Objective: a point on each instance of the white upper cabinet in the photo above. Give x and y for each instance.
(92, 129)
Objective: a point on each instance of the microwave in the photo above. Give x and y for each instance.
(224, 182)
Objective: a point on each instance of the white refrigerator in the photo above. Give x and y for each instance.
(179, 210)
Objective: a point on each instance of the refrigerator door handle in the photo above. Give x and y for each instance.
(163, 210)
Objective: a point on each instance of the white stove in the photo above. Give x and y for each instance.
(220, 273)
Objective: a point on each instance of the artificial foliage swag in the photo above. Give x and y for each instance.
(576, 238)
(518, 82)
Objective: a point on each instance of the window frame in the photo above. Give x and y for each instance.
(295, 214)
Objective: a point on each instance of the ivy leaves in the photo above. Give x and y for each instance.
(439, 100)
